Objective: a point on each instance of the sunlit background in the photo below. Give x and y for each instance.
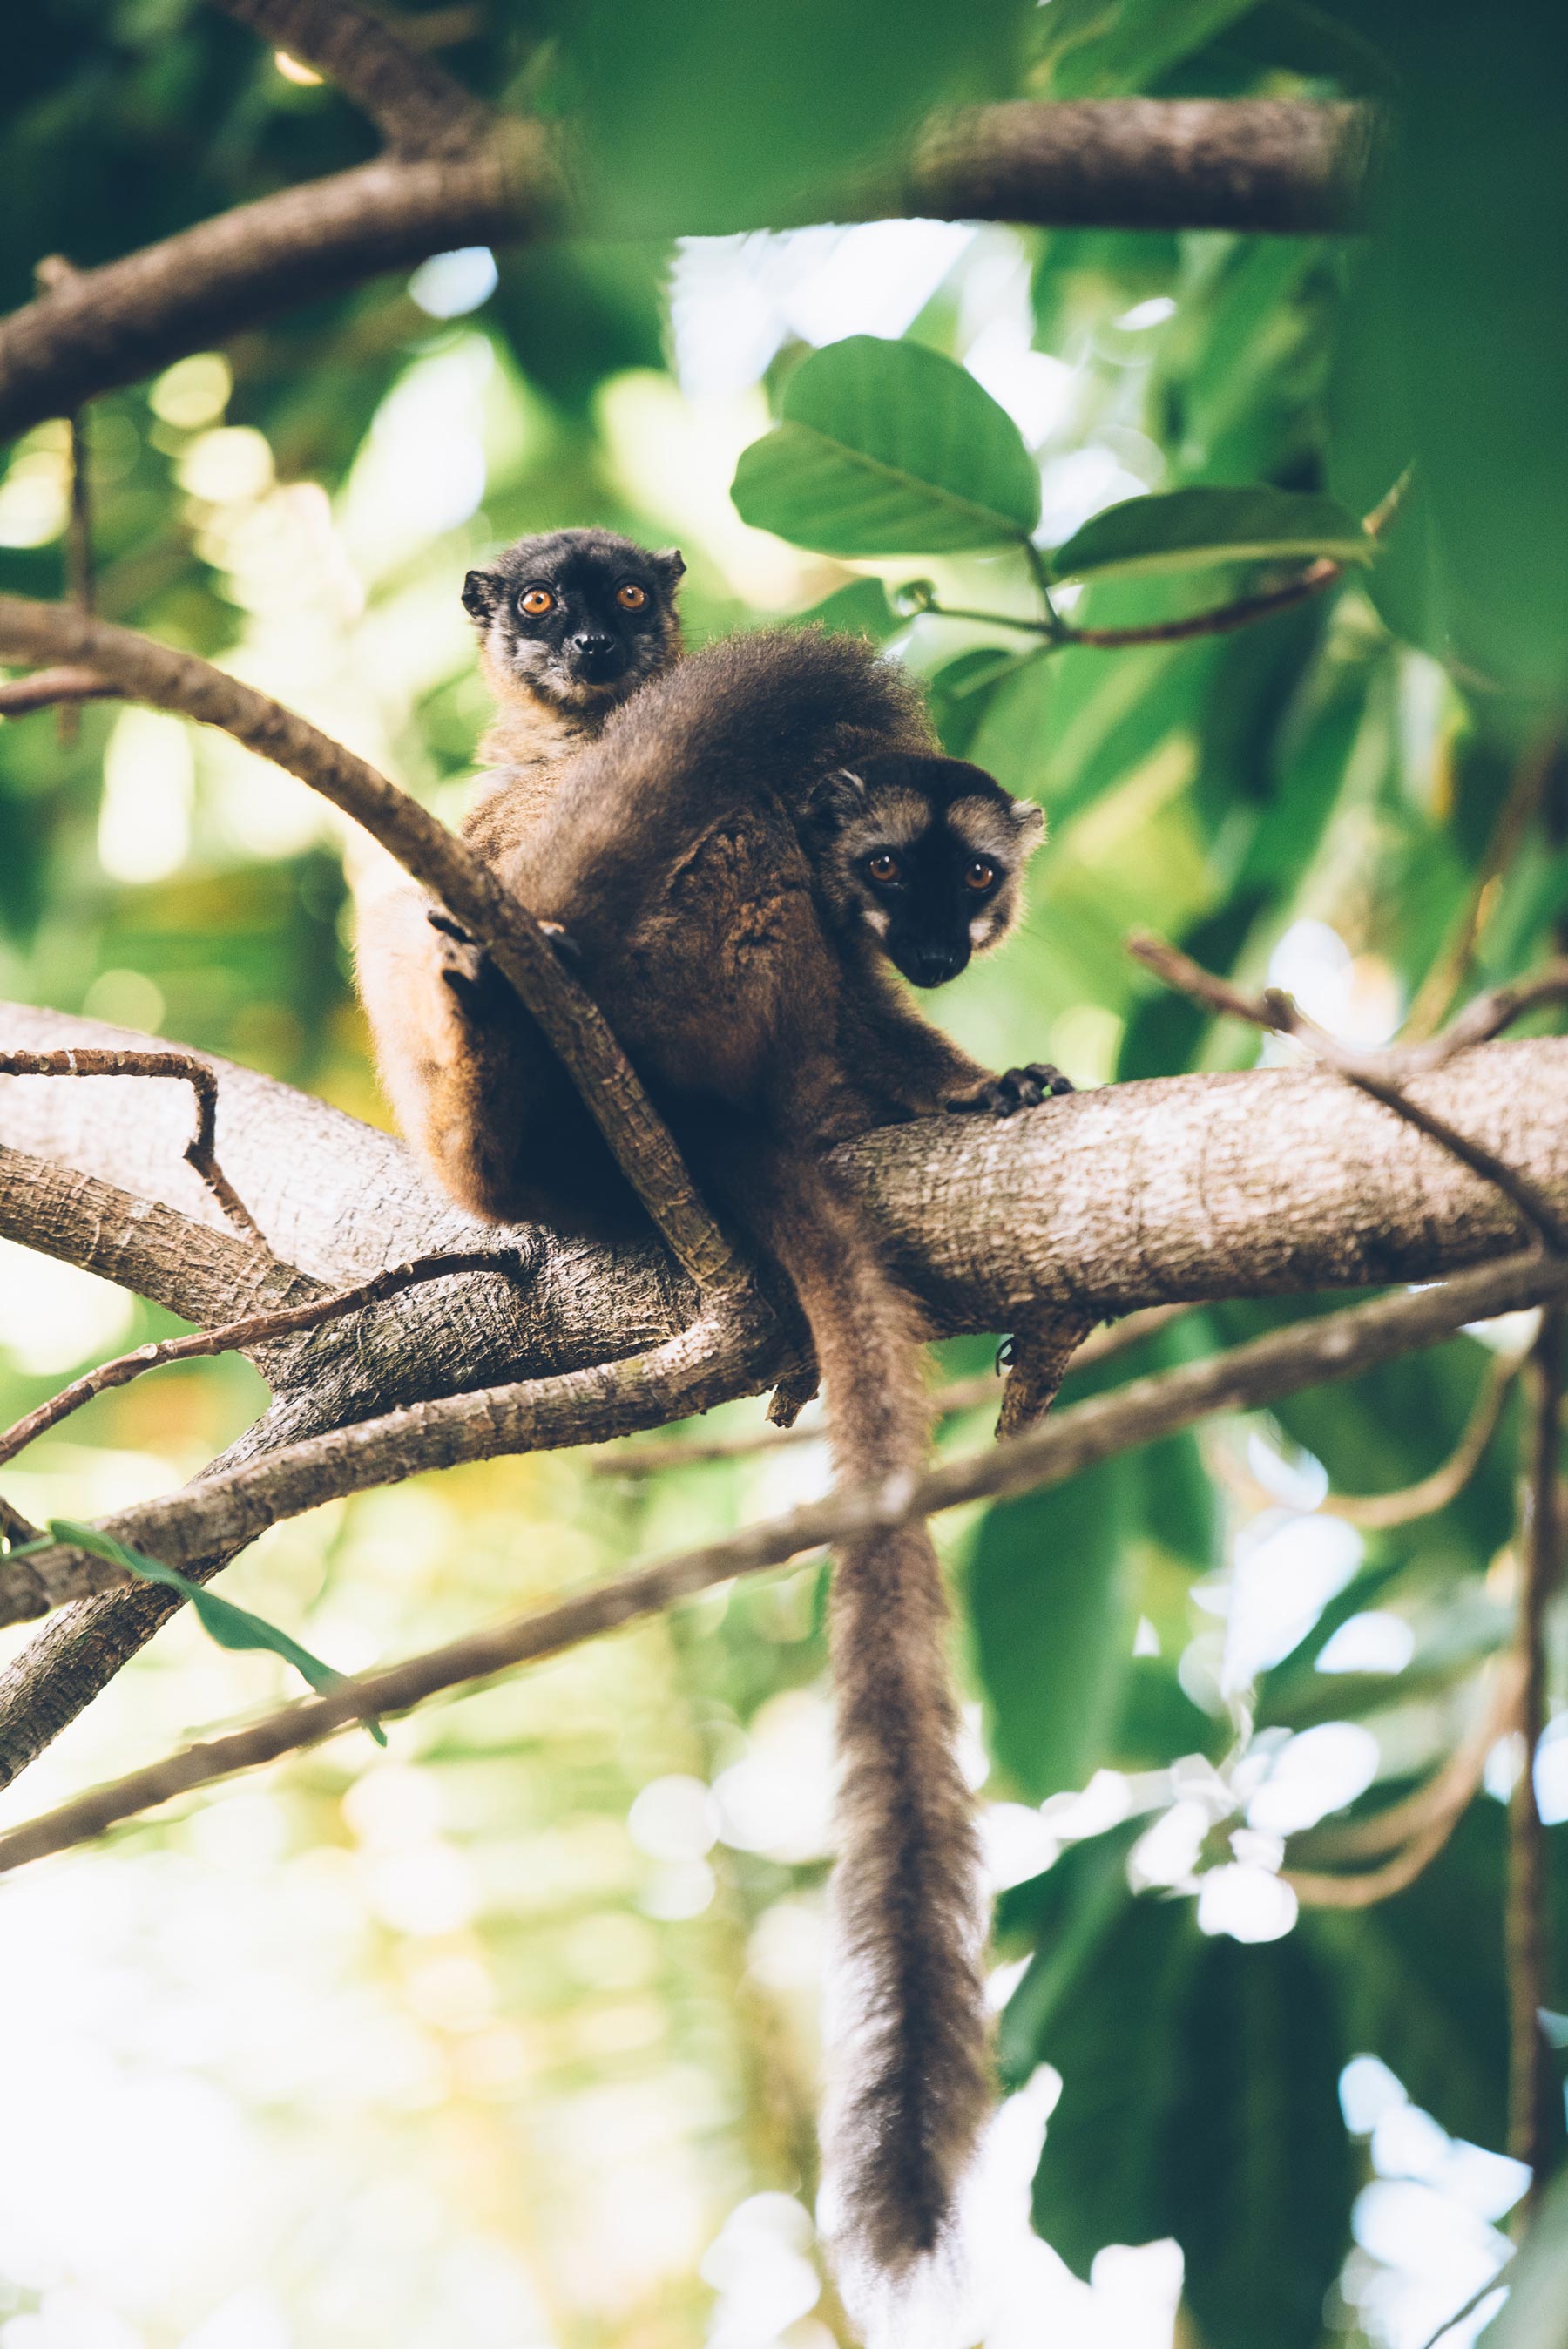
(508, 2034)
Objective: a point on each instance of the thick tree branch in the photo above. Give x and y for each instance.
(1339, 1345)
(1238, 163)
(147, 671)
(418, 108)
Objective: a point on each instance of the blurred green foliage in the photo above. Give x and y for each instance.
(1362, 799)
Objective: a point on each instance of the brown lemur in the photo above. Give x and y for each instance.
(755, 841)
(570, 624)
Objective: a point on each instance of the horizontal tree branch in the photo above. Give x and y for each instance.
(1338, 1345)
(1241, 163)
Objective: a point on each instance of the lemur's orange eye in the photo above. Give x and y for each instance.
(630, 597)
(882, 867)
(979, 875)
(536, 601)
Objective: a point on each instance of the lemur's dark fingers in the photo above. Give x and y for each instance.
(567, 950)
(440, 919)
(1049, 1078)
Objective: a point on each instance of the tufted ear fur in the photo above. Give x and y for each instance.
(481, 593)
(833, 801)
(671, 562)
(1029, 822)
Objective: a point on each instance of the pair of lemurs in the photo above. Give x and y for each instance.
(736, 849)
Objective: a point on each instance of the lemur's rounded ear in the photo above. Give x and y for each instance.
(1029, 822)
(481, 593)
(834, 798)
(672, 563)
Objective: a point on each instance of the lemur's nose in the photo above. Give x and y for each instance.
(593, 644)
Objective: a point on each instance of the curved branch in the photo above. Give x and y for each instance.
(147, 671)
(1233, 163)
(47, 686)
(418, 108)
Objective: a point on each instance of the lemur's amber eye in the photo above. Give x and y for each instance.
(630, 597)
(536, 601)
(882, 867)
(979, 875)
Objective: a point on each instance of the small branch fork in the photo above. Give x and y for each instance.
(254, 1330)
(84, 1060)
(1338, 1345)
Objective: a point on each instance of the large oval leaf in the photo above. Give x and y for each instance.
(1191, 530)
(889, 449)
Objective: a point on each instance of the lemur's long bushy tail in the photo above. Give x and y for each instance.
(913, 2086)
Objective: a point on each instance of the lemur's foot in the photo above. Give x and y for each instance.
(1015, 1089)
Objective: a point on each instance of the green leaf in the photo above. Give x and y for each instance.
(887, 448)
(1192, 530)
(230, 1626)
(1051, 1602)
(861, 610)
(1115, 2035)
(1261, 2173)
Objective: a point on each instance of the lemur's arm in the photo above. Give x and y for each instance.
(922, 1071)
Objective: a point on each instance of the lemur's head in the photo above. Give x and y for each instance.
(926, 854)
(576, 617)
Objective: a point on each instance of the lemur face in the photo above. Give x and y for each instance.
(926, 854)
(578, 617)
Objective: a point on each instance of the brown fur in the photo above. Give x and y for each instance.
(758, 1019)
(451, 1044)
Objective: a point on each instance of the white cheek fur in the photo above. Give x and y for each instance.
(877, 919)
(980, 930)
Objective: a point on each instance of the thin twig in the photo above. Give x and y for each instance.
(1338, 1345)
(1526, 1928)
(14, 1526)
(144, 670)
(45, 687)
(1363, 1891)
(641, 1458)
(1412, 1502)
(1445, 1795)
(1218, 620)
(1373, 1075)
(254, 1330)
(96, 1060)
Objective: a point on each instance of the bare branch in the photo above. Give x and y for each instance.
(1378, 1511)
(150, 672)
(1238, 163)
(199, 1151)
(45, 687)
(1258, 164)
(255, 1330)
(1527, 1932)
(1444, 1795)
(418, 108)
(1514, 818)
(1338, 1346)
(1376, 1076)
